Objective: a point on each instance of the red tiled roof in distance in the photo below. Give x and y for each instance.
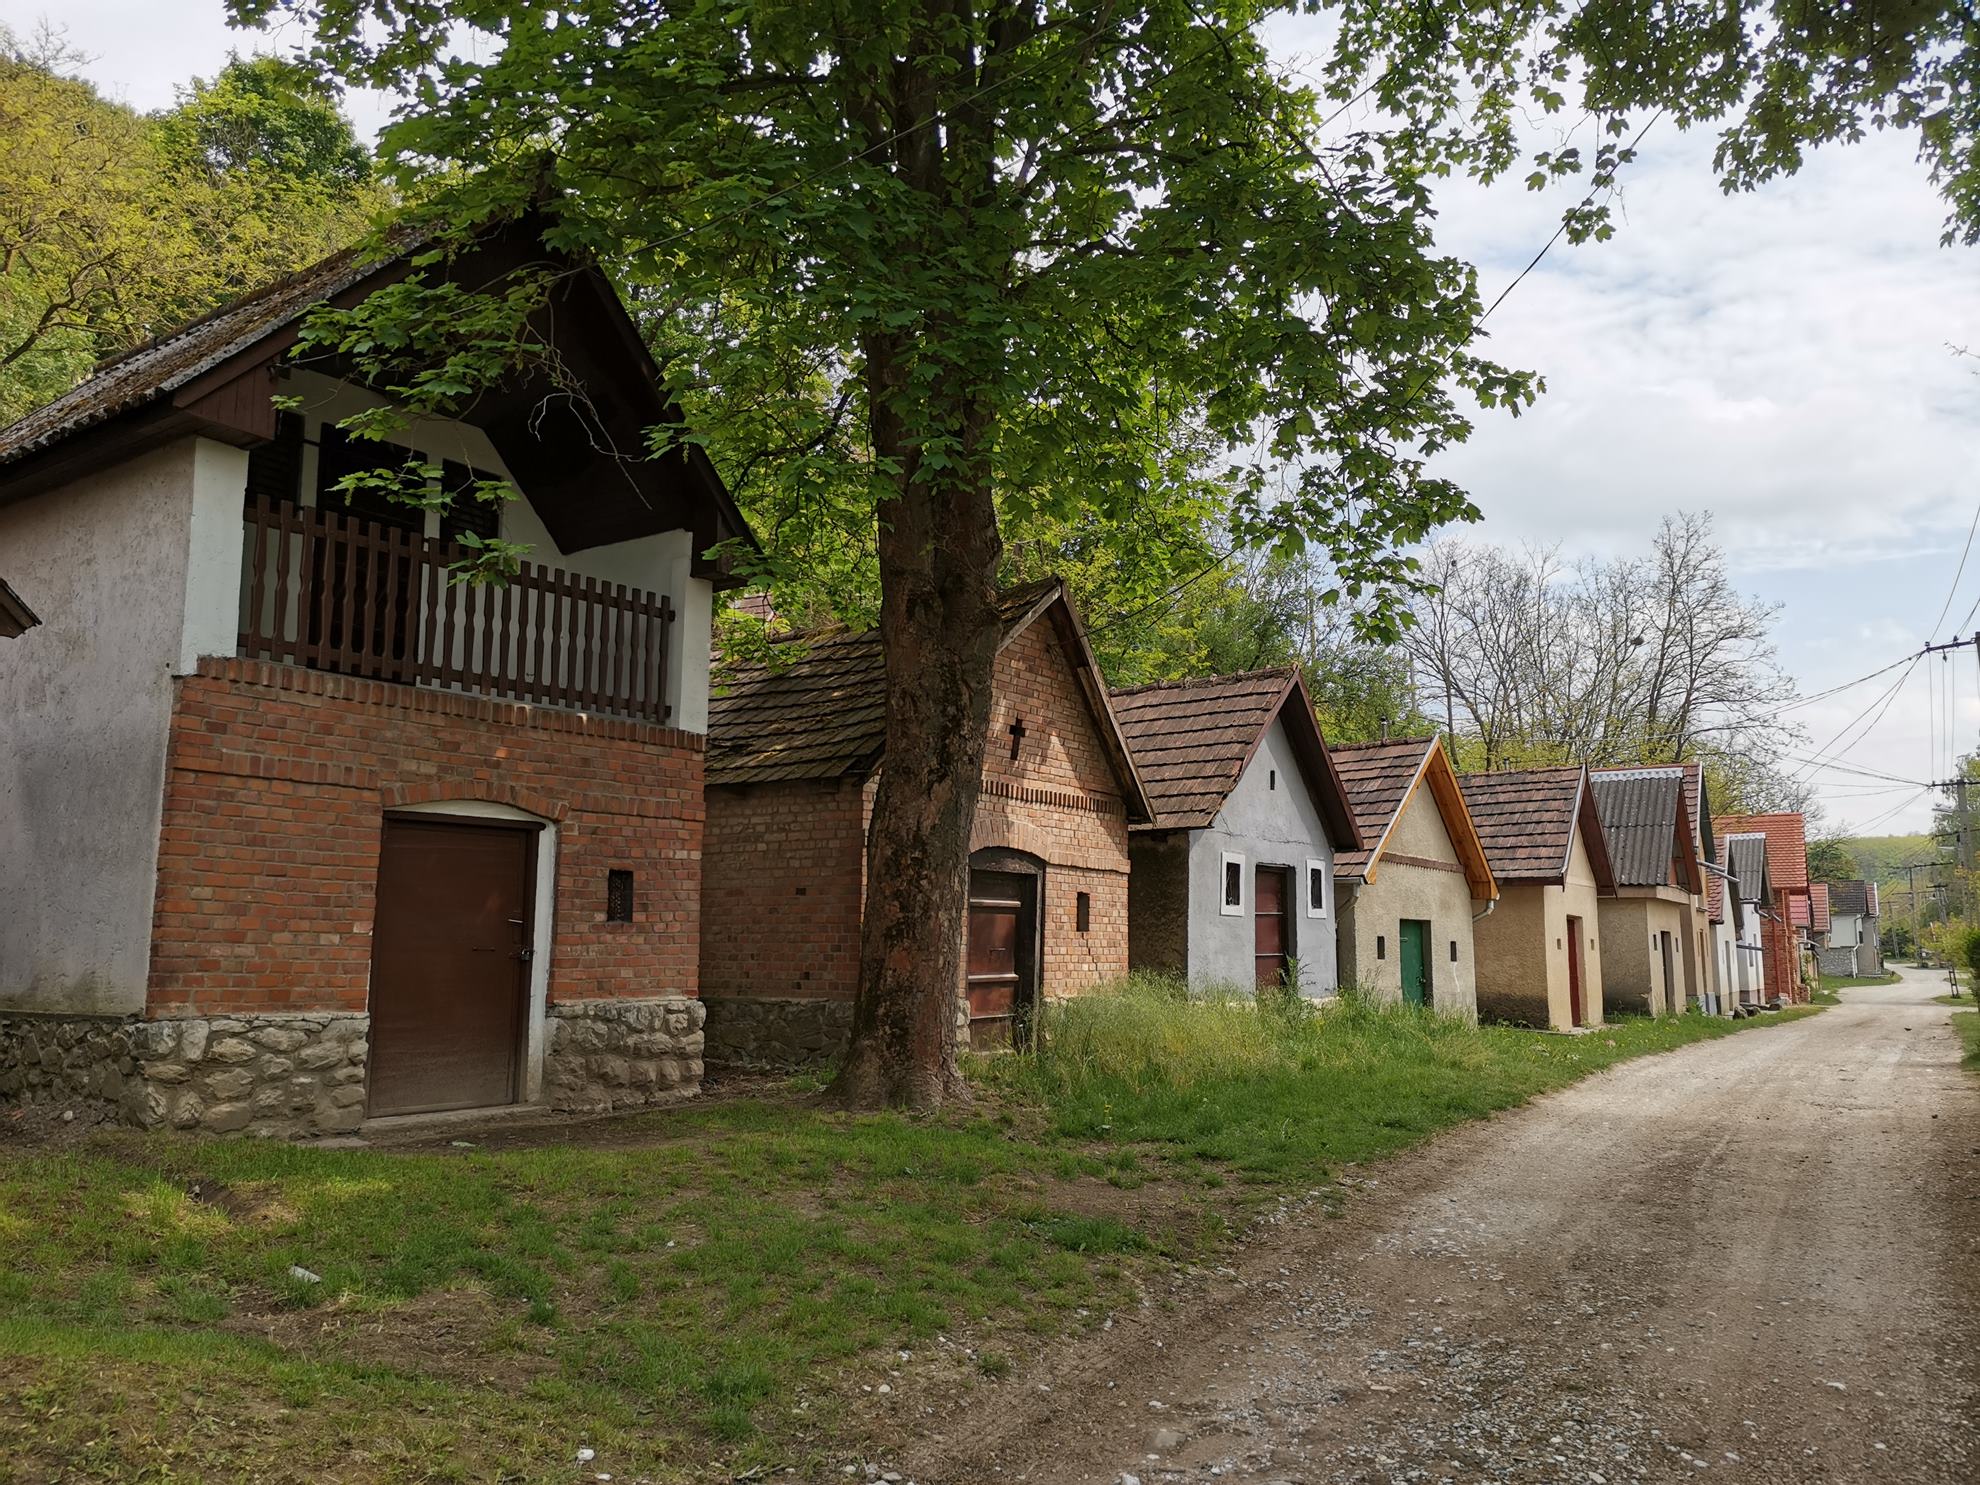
(1800, 914)
(1787, 844)
(1818, 899)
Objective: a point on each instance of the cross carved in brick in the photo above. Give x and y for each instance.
(1017, 735)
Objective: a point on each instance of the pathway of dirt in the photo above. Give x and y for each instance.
(1755, 1259)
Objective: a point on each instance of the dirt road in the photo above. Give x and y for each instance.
(1753, 1259)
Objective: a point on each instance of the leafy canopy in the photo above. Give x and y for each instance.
(115, 227)
(1092, 245)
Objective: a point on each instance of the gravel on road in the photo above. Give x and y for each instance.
(1753, 1259)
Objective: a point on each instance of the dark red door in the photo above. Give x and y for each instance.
(1270, 933)
(1574, 971)
(1000, 969)
(450, 954)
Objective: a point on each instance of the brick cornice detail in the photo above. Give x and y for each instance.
(1060, 799)
(275, 676)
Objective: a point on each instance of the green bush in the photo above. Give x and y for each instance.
(1969, 950)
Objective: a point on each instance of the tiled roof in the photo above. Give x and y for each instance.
(170, 361)
(1526, 820)
(1746, 858)
(1377, 777)
(1641, 810)
(822, 712)
(1875, 909)
(1851, 897)
(1191, 740)
(1800, 914)
(823, 715)
(1818, 899)
(1787, 844)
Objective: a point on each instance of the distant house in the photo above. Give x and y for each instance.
(1746, 859)
(1540, 956)
(794, 757)
(1725, 914)
(1854, 949)
(16, 618)
(300, 830)
(1789, 909)
(1651, 955)
(1233, 878)
(1409, 894)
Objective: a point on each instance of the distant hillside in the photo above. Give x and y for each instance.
(1878, 857)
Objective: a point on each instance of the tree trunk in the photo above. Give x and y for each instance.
(938, 549)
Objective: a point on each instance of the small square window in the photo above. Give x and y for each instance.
(618, 896)
(1318, 885)
(1381, 947)
(1083, 912)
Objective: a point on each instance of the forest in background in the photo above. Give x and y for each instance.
(116, 225)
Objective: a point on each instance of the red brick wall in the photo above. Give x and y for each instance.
(1058, 801)
(277, 783)
(781, 872)
(1781, 952)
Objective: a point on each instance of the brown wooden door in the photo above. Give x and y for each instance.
(1574, 971)
(1002, 962)
(450, 956)
(1271, 934)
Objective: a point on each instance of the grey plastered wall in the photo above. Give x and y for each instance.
(1269, 819)
(109, 565)
(1632, 973)
(1158, 901)
(1440, 897)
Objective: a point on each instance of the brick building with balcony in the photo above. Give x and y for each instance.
(302, 830)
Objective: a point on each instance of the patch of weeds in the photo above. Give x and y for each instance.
(993, 1364)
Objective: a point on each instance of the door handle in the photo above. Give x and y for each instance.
(523, 954)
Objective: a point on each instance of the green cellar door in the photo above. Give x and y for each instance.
(1415, 935)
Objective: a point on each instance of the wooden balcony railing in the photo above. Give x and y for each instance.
(338, 593)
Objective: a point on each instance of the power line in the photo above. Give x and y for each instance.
(1957, 573)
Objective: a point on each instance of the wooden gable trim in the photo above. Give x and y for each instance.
(1435, 767)
(1587, 824)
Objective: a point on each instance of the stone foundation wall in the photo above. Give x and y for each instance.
(783, 1033)
(276, 1075)
(1838, 961)
(619, 1054)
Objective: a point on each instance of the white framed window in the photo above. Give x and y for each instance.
(1231, 880)
(1319, 888)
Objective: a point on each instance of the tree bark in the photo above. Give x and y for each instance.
(938, 549)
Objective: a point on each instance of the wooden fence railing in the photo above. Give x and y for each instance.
(338, 593)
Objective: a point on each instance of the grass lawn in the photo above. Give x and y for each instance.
(688, 1292)
(1825, 993)
(1968, 1027)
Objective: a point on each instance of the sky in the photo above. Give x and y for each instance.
(1783, 359)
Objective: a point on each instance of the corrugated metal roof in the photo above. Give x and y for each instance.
(1746, 856)
(1641, 810)
(1525, 820)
